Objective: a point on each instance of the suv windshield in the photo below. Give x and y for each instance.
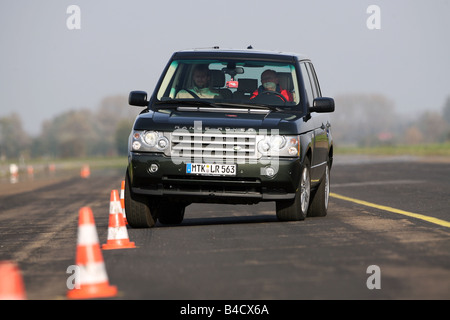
(237, 82)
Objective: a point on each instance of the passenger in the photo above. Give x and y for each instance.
(200, 77)
(270, 82)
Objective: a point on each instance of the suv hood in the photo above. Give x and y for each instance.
(171, 119)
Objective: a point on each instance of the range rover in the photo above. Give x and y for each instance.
(231, 127)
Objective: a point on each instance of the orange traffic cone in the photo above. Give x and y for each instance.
(92, 281)
(11, 283)
(85, 171)
(122, 201)
(117, 231)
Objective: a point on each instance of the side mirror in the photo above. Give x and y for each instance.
(322, 105)
(138, 98)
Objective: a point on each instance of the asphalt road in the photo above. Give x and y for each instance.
(242, 252)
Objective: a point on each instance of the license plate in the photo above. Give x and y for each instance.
(212, 169)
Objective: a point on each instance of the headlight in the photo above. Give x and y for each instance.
(264, 146)
(277, 145)
(293, 146)
(150, 138)
(162, 143)
(277, 142)
(136, 145)
(149, 141)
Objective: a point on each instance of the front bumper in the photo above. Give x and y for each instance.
(249, 185)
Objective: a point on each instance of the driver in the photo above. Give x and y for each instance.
(200, 78)
(269, 82)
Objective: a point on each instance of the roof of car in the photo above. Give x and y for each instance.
(212, 51)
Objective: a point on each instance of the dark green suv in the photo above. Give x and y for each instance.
(233, 127)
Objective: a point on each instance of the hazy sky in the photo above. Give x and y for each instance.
(47, 69)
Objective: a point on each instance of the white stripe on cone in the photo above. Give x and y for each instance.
(87, 235)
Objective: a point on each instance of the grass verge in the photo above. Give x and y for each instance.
(435, 149)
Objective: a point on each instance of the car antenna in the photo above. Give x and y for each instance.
(250, 47)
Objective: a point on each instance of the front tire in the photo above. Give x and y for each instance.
(296, 210)
(319, 202)
(137, 208)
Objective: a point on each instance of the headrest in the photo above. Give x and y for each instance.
(217, 78)
(285, 80)
(247, 85)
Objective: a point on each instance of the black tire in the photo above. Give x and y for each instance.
(296, 210)
(170, 213)
(319, 201)
(137, 208)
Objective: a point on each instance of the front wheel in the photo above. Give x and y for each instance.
(137, 208)
(296, 210)
(319, 202)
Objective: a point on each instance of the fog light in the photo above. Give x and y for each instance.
(269, 171)
(153, 168)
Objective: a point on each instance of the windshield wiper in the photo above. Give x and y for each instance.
(175, 103)
(188, 101)
(178, 103)
(248, 106)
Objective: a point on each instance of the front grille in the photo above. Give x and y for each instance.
(214, 147)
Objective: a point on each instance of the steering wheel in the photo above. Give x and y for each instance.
(275, 93)
(261, 95)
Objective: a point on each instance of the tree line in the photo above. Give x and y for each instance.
(368, 120)
(360, 119)
(72, 134)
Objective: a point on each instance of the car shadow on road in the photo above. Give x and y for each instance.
(222, 221)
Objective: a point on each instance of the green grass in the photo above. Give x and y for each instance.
(436, 149)
(94, 163)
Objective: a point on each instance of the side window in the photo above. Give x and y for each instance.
(314, 82)
(308, 88)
